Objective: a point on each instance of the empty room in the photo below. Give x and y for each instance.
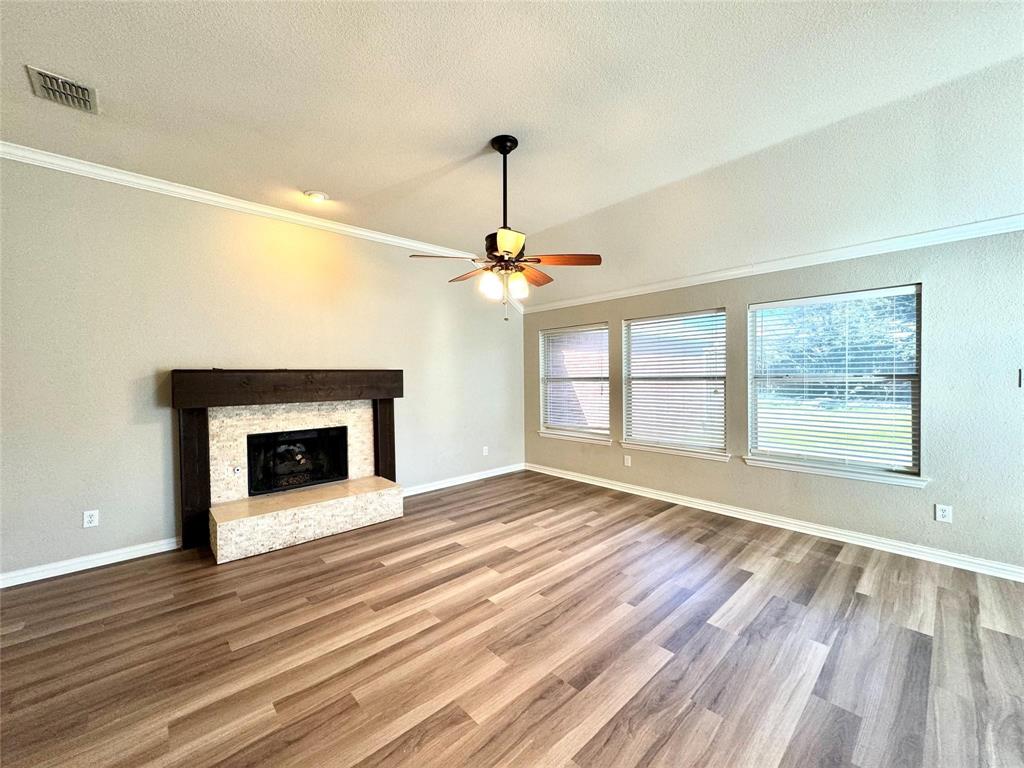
(520, 384)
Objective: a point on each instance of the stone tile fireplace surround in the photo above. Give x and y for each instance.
(229, 427)
(218, 409)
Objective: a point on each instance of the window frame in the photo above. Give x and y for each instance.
(598, 437)
(850, 470)
(675, 448)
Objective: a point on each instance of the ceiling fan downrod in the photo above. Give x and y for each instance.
(504, 144)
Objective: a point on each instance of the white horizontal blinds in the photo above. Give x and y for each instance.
(837, 379)
(574, 379)
(675, 380)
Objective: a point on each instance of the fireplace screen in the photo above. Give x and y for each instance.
(282, 460)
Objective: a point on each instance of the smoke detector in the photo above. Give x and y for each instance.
(51, 87)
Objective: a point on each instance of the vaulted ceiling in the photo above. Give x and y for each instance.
(388, 107)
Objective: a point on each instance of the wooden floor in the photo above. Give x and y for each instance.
(520, 621)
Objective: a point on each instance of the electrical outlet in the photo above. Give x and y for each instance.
(943, 513)
(627, 461)
(486, 451)
(91, 518)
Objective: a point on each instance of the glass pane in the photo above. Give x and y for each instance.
(574, 379)
(576, 405)
(685, 413)
(675, 380)
(837, 380)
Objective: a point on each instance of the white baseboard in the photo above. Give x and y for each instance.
(450, 481)
(61, 567)
(968, 563)
(976, 564)
(49, 570)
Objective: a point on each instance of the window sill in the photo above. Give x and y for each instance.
(579, 437)
(850, 473)
(695, 453)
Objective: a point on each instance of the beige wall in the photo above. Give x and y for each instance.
(106, 288)
(949, 156)
(973, 410)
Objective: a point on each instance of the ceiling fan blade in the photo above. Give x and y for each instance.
(436, 256)
(536, 277)
(466, 276)
(566, 259)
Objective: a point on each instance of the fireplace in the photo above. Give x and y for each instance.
(218, 409)
(280, 461)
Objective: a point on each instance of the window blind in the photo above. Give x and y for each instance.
(836, 379)
(674, 372)
(574, 379)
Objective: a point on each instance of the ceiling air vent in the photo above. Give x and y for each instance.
(51, 87)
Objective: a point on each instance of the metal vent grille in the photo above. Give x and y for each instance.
(51, 87)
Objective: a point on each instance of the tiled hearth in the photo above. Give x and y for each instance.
(258, 524)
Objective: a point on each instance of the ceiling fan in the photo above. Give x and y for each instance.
(506, 272)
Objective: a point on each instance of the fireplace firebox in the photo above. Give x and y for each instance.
(279, 461)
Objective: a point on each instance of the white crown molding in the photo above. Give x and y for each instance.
(54, 161)
(944, 557)
(61, 567)
(459, 480)
(57, 162)
(30, 156)
(969, 231)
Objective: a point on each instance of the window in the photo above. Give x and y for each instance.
(574, 380)
(835, 380)
(674, 371)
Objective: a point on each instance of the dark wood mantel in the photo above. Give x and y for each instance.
(193, 392)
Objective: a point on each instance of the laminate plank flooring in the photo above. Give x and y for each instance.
(522, 620)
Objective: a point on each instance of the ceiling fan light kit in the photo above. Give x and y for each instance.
(491, 286)
(517, 286)
(506, 272)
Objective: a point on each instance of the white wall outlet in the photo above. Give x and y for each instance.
(486, 450)
(627, 461)
(90, 518)
(943, 513)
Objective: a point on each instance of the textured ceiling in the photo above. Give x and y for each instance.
(388, 107)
